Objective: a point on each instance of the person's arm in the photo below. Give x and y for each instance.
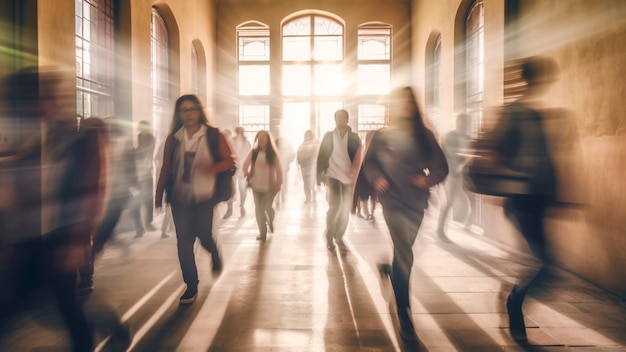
(226, 154)
(356, 163)
(166, 170)
(278, 170)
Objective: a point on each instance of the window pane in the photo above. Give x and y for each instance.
(296, 120)
(296, 80)
(373, 79)
(300, 26)
(254, 118)
(254, 80)
(371, 118)
(374, 48)
(296, 48)
(326, 26)
(329, 48)
(254, 49)
(328, 80)
(326, 115)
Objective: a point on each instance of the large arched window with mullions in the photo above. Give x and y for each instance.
(475, 65)
(95, 63)
(313, 81)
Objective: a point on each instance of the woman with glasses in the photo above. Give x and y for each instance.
(188, 176)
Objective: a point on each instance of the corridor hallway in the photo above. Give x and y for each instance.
(292, 294)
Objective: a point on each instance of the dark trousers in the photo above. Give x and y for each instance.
(263, 210)
(339, 202)
(191, 221)
(403, 226)
(526, 212)
(454, 191)
(34, 265)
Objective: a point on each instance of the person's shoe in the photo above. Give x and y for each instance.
(407, 331)
(442, 237)
(341, 245)
(139, 233)
(517, 327)
(190, 295)
(164, 235)
(330, 245)
(359, 215)
(270, 225)
(261, 237)
(228, 214)
(149, 227)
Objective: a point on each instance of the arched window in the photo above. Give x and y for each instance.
(312, 71)
(253, 60)
(95, 63)
(475, 59)
(373, 75)
(159, 44)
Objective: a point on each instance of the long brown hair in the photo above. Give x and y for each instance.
(177, 122)
(421, 132)
(270, 148)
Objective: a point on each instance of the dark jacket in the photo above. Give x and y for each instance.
(326, 149)
(397, 162)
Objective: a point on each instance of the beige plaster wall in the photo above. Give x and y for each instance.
(586, 38)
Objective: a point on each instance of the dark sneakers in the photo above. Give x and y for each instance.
(190, 295)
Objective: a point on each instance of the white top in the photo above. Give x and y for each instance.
(202, 183)
(339, 164)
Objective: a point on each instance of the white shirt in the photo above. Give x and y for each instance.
(339, 164)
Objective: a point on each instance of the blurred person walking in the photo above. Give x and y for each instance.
(61, 200)
(188, 176)
(338, 162)
(402, 163)
(455, 147)
(365, 197)
(264, 172)
(307, 158)
(519, 142)
(144, 154)
(242, 147)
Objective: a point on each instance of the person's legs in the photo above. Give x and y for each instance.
(243, 193)
(526, 213)
(334, 208)
(148, 202)
(185, 237)
(269, 210)
(203, 226)
(260, 214)
(343, 216)
(452, 188)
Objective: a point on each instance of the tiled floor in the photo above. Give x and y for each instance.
(292, 294)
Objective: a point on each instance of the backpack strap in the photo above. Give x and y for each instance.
(213, 141)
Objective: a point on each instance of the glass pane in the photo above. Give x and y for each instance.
(373, 79)
(299, 26)
(374, 48)
(296, 48)
(296, 80)
(296, 120)
(329, 48)
(326, 26)
(254, 49)
(254, 118)
(328, 80)
(325, 116)
(371, 118)
(254, 80)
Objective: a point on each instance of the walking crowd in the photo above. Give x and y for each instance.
(70, 185)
